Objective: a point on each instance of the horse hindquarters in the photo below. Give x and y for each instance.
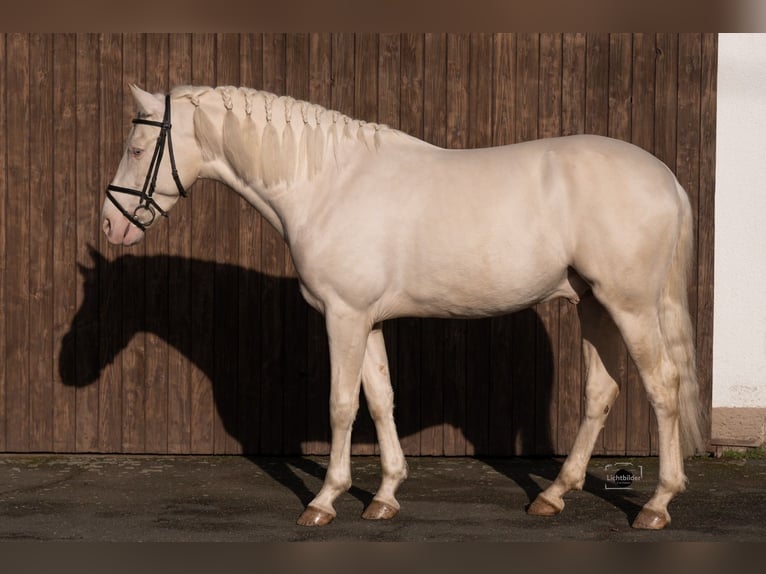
(652, 316)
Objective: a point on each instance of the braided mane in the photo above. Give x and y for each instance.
(272, 139)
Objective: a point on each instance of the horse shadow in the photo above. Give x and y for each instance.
(260, 345)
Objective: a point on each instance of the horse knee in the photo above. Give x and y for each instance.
(381, 405)
(343, 413)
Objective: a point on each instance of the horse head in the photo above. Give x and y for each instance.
(161, 159)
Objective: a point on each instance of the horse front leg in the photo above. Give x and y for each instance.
(379, 393)
(347, 332)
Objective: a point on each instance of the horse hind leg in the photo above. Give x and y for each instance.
(601, 351)
(660, 375)
(378, 391)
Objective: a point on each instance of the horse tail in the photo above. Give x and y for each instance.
(679, 336)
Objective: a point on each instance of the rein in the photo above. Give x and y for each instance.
(146, 211)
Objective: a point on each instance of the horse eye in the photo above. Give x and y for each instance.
(136, 152)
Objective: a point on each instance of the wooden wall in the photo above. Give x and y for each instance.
(197, 341)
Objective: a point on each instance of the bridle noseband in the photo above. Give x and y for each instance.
(147, 203)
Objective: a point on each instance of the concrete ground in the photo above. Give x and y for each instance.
(204, 498)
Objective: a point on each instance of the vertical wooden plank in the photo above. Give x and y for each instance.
(432, 414)
(642, 134)
(597, 84)
(156, 287)
(500, 419)
(573, 78)
(688, 152)
(134, 280)
(504, 100)
(366, 77)
(570, 389)
(41, 245)
(296, 336)
(525, 323)
(401, 96)
(203, 294)
(550, 85)
(318, 382)
(643, 93)
(458, 77)
(400, 105)
(88, 199)
(226, 256)
(665, 130)
(179, 283)
(3, 226)
(272, 288)
(597, 110)
(17, 302)
(342, 77)
(527, 87)
(666, 98)
(547, 372)
(478, 332)
(250, 223)
(619, 122)
(365, 81)
(17, 236)
(706, 220)
(64, 231)
(400, 82)
(110, 280)
(688, 141)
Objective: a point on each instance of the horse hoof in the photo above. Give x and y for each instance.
(313, 516)
(378, 510)
(649, 519)
(541, 506)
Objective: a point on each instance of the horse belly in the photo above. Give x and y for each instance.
(480, 285)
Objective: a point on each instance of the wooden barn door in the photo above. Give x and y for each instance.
(197, 341)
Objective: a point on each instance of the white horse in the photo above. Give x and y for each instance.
(382, 225)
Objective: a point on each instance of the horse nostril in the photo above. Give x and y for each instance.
(107, 227)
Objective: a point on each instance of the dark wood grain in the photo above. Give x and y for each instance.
(17, 300)
(110, 276)
(41, 244)
(198, 341)
(179, 284)
(203, 206)
(65, 274)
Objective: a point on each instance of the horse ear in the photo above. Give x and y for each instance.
(147, 103)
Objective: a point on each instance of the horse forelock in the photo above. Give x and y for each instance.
(272, 138)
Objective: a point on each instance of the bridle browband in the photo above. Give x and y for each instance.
(146, 202)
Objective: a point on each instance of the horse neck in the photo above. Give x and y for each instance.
(270, 148)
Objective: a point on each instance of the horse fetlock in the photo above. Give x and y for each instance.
(397, 473)
(338, 485)
(673, 485)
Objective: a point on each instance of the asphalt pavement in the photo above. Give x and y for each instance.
(125, 498)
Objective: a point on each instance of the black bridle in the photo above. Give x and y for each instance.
(147, 203)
